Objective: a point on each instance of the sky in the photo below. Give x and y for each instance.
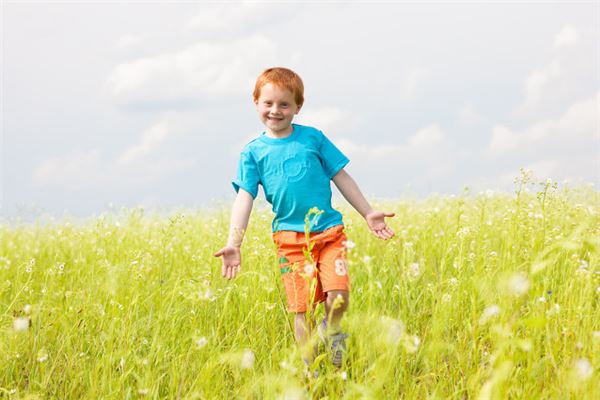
(112, 104)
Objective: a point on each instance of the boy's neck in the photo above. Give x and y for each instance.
(280, 135)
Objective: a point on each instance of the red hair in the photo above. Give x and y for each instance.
(283, 78)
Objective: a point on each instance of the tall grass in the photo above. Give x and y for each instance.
(484, 296)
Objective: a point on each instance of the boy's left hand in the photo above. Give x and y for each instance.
(376, 223)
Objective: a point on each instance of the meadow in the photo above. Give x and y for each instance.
(479, 296)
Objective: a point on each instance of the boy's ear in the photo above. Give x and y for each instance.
(298, 110)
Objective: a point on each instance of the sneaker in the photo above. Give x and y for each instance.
(336, 344)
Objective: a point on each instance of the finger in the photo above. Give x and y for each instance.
(389, 214)
(229, 271)
(390, 232)
(223, 270)
(218, 253)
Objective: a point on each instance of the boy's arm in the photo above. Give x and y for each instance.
(240, 214)
(351, 192)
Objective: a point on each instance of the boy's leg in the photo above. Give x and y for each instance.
(303, 334)
(335, 306)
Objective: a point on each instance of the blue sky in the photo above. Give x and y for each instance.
(150, 103)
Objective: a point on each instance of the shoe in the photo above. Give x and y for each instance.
(336, 344)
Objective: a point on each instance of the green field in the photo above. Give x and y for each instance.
(479, 296)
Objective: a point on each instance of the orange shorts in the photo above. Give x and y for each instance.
(325, 269)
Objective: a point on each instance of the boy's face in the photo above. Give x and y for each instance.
(276, 108)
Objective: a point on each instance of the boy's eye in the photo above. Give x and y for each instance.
(268, 103)
(284, 104)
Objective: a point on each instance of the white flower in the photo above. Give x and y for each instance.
(42, 356)
(201, 342)
(21, 324)
(415, 270)
(349, 244)
(518, 284)
(446, 298)
(583, 369)
(366, 259)
(344, 375)
(143, 392)
(340, 267)
(247, 359)
(411, 344)
(488, 313)
(27, 309)
(453, 281)
(541, 299)
(309, 269)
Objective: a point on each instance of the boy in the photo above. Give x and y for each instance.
(295, 164)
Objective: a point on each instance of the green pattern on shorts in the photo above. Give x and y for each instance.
(285, 270)
(283, 260)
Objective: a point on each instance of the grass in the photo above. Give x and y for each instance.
(485, 296)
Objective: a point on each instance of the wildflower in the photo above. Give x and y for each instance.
(415, 270)
(488, 313)
(378, 284)
(21, 324)
(579, 345)
(554, 310)
(201, 342)
(518, 284)
(453, 281)
(408, 244)
(344, 375)
(446, 298)
(247, 359)
(366, 259)
(541, 299)
(42, 356)
(309, 269)
(143, 392)
(411, 343)
(583, 369)
(349, 244)
(596, 335)
(394, 328)
(27, 309)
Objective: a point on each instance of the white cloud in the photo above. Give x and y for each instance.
(204, 71)
(468, 115)
(151, 139)
(410, 83)
(78, 169)
(538, 81)
(420, 145)
(578, 123)
(568, 36)
(129, 40)
(331, 120)
(141, 163)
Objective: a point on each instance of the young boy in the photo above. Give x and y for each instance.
(295, 164)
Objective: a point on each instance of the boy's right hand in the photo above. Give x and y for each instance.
(232, 261)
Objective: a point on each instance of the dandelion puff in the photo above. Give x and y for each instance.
(309, 269)
(27, 309)
(42, 356)
(412, 343)
(518, 284)
(201, 342)
(415, 270)
(344, 375)
(247, 361)
(488, 313)
(349, 244)
(21, 324)
(394, 329)
(583, 369)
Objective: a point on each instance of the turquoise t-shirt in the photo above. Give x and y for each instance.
(295, 173)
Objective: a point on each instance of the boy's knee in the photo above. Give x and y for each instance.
(339, 298)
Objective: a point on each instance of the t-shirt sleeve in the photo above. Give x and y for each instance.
(333, 159)
(248, 176)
